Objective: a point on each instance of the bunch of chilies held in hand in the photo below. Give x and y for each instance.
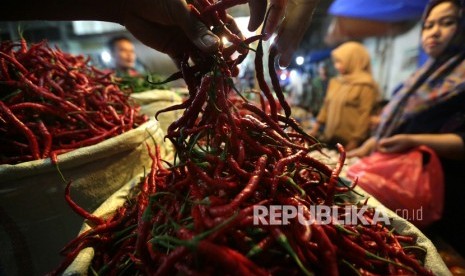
(52, 102)
(195, 217)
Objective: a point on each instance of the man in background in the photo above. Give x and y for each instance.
(124, 56)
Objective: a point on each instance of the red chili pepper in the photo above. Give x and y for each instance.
(261, 80)
(328, 263)
(182, 105)
(335, 175)
(14, 61)
(54, 154)
(262, 115)
(228, 51)
(47, 139)
(281, 164)
(5, 72)
(170, 260)
(195, 107)
(255, 124)
(8, 115)
(143, 229)
(275, 81)
(264, 244)
(295, 126)
(218, 183)
(255, 145)
(230, 259)
(109, 225)
(41, 107)
(72, 255)
(222, 94)
(92, 140)
(55, 85)
(245, 193)
(79, 210)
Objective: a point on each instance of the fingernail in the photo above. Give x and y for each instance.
(284, 62)
(250, 26)
(266, 36)
(209, 40)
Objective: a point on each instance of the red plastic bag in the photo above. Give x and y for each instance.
(411, 184)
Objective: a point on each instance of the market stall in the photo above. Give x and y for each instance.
(376, 19)
(61, 121)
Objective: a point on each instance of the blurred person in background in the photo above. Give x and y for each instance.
(295, 88)
(375, 117)
(429, 110)
(123, 56)
(318, 88)
(345, 115)
(296, 93)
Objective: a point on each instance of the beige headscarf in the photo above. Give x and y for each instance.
(356, 61)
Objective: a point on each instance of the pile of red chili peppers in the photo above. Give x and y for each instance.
(195, 217)
(53, 102)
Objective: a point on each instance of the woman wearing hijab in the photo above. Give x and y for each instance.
(430, 110)
(345, 114)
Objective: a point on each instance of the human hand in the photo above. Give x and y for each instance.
(351, 145)
(315, 129)
(297, 18)
(169, 26)
(396, 143)
(365, 149)
(315, 134)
